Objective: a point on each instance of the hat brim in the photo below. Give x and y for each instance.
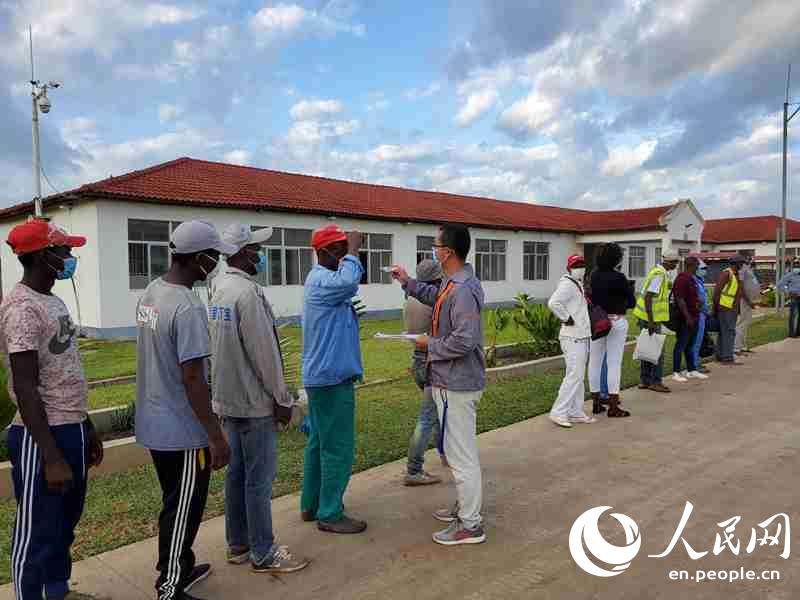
(259, 236)
(226, 248)
(75, 241)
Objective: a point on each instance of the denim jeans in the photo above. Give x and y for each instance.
(683, 348)
(794, 317)
(698, 339)
(427, 423)
(248, 485)
(651, 374)
(727, 334)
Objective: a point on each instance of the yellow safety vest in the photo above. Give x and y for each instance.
(660, 302)
(728, 296)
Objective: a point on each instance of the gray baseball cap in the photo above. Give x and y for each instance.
(240, 235)
(427, 270)
(195, 236)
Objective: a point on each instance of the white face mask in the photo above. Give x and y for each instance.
(673, 274)
(578, 273)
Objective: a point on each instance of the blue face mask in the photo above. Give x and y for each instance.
(262, 262)
(69, 268)
(435, 258)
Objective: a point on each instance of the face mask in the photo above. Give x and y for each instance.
(261, 264)
(435, 258)
(207, 274)
(702, 273)
(618, 267)
(70, 265)
(578, 273)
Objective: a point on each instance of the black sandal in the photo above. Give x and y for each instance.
(597, 404)
(614, 410)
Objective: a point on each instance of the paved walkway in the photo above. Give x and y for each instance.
(730, 445)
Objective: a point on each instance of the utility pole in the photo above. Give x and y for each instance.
(39, 101)
(781, 245)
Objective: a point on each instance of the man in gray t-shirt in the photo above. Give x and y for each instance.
(173, 402)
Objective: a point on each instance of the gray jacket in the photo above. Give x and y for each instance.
(456, 358)
(247, 367)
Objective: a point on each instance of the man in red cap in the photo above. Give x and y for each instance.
(52, 443)
(569, 304)
(331, 365)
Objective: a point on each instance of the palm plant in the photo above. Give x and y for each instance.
(542, 325)
(498, 320)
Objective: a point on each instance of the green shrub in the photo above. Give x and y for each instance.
(7, 408)
(540, 323)
(124, 419)
(768, 296)
(498, 320)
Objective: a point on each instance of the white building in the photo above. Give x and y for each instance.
(516, 247)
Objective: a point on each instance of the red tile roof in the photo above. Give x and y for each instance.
(201, 183)
(748, 229)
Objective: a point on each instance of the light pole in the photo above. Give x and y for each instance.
(780, 259)
(39, 101)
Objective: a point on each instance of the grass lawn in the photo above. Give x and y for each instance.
(122, 508)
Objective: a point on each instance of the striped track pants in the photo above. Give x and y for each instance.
(45, 522)
(184, 476)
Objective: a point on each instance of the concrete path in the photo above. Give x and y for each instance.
(729, 445)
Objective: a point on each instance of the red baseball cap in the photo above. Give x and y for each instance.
(576, 260)
(38, 234)
(324, 237)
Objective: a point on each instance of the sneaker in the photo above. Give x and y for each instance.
(583, 419)
(457, 534)
(238, 555)
(422, 478)
(660, 388)
(696, 375)
(282, 561)
(344, 525)
(560, 421)
(447, 515)
(678, 378)
(198, 574)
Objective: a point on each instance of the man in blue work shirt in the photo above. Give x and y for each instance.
(331, 365)
(790, 284)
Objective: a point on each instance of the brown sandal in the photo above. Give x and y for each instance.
(614, 410)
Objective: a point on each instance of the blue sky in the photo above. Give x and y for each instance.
(614, 103)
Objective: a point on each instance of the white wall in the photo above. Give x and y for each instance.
(684, 229)
(81, 220)
(119, 301)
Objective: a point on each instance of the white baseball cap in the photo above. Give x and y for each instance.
(670, 255)
(240, 236)
(195, 236)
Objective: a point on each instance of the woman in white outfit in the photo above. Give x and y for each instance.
(569, 304)
(611, 291)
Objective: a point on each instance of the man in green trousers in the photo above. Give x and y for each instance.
(331, 366)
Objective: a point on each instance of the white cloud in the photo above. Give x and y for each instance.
(623, 159)
(283, 21)
(169, 112)
(530, 115)
(378, 105)
(476, 106)
(399, 153)
(426, 92)
(310, 133)
(238, 157)
(309, 110)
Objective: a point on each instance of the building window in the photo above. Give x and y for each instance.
(535, 261)
(148, 251)
(636, 262)
(657, 255)
(424, 248)
(376, 253)
(290, 257)
(490, 260)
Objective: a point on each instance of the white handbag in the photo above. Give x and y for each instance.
(649, 347)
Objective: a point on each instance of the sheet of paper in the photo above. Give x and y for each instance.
(405, 337)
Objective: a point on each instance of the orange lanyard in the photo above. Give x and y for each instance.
(437, 309)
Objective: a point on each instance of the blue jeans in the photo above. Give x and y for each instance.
(794, 317)
(683, 348)
(604, 378)
(651, 374)
(248, 485)
(427, 423)
(698, 340)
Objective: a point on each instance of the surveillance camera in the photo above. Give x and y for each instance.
(44, 104)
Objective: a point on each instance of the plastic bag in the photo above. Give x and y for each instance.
(649, 347)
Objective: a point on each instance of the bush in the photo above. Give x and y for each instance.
(7, 408)
(498, 320)
(541, 324)
(768, 296)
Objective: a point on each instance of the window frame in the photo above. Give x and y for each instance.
(422, 252)
(366, 256)
(494, 257)
(632, 250)
(265, 278)
(530, 262)
(147, 245)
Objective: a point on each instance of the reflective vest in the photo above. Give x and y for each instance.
(660, 302)
(728, 296)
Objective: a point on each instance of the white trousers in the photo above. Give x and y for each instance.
(613, 348)
(571, 394)
(457, 414)
(743, 327)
